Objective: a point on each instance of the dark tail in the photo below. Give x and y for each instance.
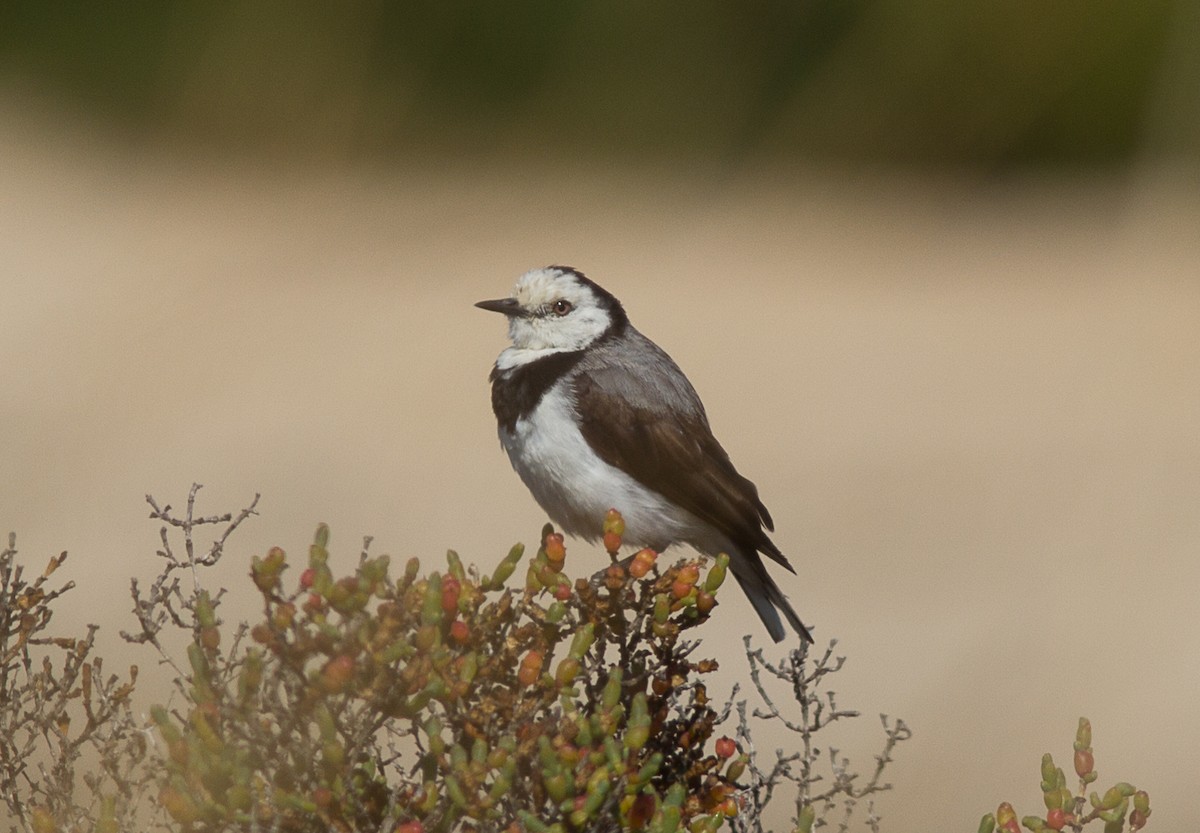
(765, 595)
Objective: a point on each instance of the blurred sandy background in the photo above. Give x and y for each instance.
(960, 361)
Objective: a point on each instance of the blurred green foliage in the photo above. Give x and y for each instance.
(932, 81)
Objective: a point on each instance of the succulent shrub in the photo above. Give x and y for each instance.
(1120, 807)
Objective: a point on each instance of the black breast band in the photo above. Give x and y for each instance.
(518, 390)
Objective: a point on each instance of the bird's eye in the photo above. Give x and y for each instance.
(562, 307)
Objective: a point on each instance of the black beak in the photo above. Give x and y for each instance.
(508, 306)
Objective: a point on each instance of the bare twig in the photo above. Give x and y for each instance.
(828, 790)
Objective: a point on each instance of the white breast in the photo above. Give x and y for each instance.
(576, 488)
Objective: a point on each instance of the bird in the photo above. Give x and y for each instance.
(594, 415)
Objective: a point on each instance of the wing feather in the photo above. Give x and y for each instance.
(643, 418)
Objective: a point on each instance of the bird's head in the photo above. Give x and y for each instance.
(557, 308)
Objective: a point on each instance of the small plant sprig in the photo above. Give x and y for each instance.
(1068, 810)
(58, 712)
(821, 799)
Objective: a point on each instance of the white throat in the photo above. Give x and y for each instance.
(512, 357)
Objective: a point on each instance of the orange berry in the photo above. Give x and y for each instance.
(689, 573)
(531, 668)
(337, 673)
(642, 562)
(680, 589)
(556, 552)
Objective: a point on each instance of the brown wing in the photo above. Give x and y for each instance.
(650, 423)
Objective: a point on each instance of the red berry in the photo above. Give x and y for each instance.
(314, 604)
(210, 638)
(306, 578)
(1056, 819)
(459, 632)
(410, 827)
(562, 592)
(1084, 762)
(450, 591)
(641, 810)
(726, 747)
